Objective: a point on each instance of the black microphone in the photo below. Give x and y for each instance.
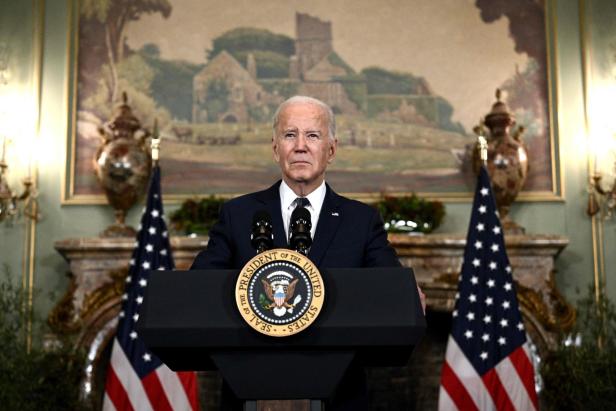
(261, 238)
(301, 240)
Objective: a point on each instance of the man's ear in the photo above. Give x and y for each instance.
(333, 148)
(275, 149)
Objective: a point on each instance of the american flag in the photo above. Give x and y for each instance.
(487, 364)
(136, 378)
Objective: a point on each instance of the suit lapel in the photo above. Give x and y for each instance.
(271, 199)
(328, 223)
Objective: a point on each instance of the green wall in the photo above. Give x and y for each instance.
(574, 266)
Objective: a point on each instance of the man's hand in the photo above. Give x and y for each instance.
(422, 297)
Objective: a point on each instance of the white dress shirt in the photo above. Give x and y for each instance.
(287, 205)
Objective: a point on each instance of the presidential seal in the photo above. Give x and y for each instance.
(279, 292)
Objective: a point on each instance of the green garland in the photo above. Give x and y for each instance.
(197, 216)
(400, 214)
(410, 214)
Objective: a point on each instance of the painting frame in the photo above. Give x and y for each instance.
(70, 196)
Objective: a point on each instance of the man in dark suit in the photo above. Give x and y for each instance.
(346, 233)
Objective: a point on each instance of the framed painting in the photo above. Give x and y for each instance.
(407, 79)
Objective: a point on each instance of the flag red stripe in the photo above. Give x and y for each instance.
(456, 390)
(498, 392)
(116, 393)
(525, 370)
(156, 393)
(189, 382)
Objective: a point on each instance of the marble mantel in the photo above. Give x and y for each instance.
(98, 267)
(437, 259)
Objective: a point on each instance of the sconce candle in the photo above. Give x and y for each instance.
(29, 165)
(13, 205)
(601, 198)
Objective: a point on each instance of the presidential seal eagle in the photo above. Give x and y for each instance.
(280, 292)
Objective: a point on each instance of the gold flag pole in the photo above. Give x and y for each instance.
(483, 143)
(155, 144)
(483, 149)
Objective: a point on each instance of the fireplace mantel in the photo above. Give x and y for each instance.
(98, 267)
(437, 259)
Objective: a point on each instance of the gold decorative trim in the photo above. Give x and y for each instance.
(66, 318)
(599, 275)
(62, 317)
(554, 313)
(551, 26)
(29, 243)
(68, 174)
(598, 256)
(109, 292)
(25, 307)
(547, 305)
(601, 278)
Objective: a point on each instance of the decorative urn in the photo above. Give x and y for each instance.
(507, 160)
(122, 164)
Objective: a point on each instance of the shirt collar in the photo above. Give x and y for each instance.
(287, 196)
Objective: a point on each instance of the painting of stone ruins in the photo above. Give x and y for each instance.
(406, 99)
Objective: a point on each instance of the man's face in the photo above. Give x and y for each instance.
(302, 145)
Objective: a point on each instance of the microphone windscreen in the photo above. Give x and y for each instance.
(260, 216)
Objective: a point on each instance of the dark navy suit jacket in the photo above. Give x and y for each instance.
(349, 233)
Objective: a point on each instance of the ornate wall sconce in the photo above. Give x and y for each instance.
(602, 194)
(600, 198)
(12, 205)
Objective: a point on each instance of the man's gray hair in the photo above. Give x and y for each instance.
(329, 113)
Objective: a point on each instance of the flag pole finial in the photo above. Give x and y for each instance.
(155, 144)
(483, 149)
(483, 144)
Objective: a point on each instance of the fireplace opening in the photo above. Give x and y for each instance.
(415, 386)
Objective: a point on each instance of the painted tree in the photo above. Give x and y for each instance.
(113, 17)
